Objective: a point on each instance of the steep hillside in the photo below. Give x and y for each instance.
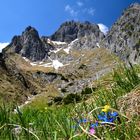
(123, 38)
(14, 87)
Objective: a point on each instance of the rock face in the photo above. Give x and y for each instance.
(124, 37)
(29, 45)
(71, 30)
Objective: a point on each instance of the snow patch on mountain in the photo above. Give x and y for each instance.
(103, 28)
(57, 50)
(57, 64)
(67, 50)
(33, 64)
(97, 44)
(56, 42)
(27, 60)
(47, 65)
(59, 43)
(3, 45)
(73, 42)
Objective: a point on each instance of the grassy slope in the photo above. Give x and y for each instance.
(95, 61)
(11, 89)
(58, 122)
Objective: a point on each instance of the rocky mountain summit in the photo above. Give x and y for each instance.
(123, 38)
(29, 45)
(72, 58)
(72, 30)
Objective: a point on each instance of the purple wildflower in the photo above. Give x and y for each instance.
(92, 131)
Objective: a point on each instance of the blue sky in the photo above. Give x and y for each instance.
(47, 15)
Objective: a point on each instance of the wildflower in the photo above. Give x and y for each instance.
(101, 116)
(92, 131)
(83, 120)
(78, 122)
(106, 108)
(110, 120)
(108, 117)
(114, 114)
(93, 125)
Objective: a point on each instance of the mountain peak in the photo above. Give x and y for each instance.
(30, 31)
(28, 45)
(29, 28)
(134, 5)
(70, 30)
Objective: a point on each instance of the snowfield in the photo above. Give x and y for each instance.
(56, 42)
(67, 50)
(27, 60)
(97, 44)
(55, 63)
(3, 45)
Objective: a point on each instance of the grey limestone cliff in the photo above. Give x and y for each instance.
(29, 45)
(123, 38)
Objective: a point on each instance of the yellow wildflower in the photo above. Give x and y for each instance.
(106, 108)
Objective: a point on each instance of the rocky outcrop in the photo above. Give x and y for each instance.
(124, 37)
(49, 77)
(29, 45)
(71, 30)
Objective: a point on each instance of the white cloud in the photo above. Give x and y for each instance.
(80, 4)
(89, 11)
(79, 10)
(3, 45)
(103, 28)
(72, 12)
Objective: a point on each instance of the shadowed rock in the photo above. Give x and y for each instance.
(28, 45)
